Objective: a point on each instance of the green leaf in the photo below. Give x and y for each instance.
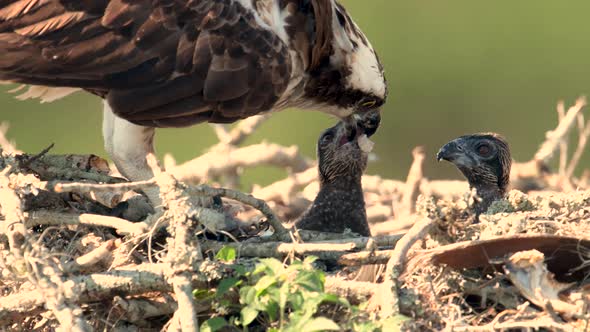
(248, 314)
(283, 296)
(202, 294)
(274, 265)
(320, 324)
(312, 281)
(239, 270)
(226, 254)
(272, 310)
(247, 294)
(213, 324)
(226, 284)
(264, 283)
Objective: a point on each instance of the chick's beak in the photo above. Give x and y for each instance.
(450, 152)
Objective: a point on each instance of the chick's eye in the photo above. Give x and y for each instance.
(483, 150)
(327, 138)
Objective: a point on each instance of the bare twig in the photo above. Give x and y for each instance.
(13, 226)
(365, 258)
(555, 137)
(103, 252)
(245, 199)
(584, 133)
(564, 143)
(6, 145)
(142, 279)
(245, 128)
(285, 190)
(338, 251)
(49, 281)
(184, 250)
(355, 291)
(45, 274)
(139, 309)
(122, 226)
(217, 163)
(414, 178)
(395, 266)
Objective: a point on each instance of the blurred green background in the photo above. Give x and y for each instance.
(453, 67)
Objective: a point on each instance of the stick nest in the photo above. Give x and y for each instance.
(82, 249)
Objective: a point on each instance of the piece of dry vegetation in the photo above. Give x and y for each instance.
(81, 249)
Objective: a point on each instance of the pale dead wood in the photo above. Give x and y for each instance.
(184, 250)
(365, 258)
(102, 253)
(50, 218)
(412, 187)
(249, 200)
(558, 135)
(584, 133)
(208, 217)
(390, 301)
(281, 249)
(142, 279)
(43, 274)
(563, 145)
(50, 283)
(5, 144)
(217, 163)
(13, 226)
(137, 310)
(244, 129)
(355, 291)
(286, 190)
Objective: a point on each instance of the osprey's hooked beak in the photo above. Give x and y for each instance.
(367, 122)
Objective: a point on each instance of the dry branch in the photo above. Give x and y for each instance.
(285, 190)
(13, 226)
(184, 250)
(218, 163)
(559, 134)
(5, 144)
(49, 218)
(412, 187)
(339, 251)
(395, 266)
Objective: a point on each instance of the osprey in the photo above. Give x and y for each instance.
(176, 63)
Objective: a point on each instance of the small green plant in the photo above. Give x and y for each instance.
(282, 298)
(273, 295)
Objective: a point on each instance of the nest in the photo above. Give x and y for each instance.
(82, 249)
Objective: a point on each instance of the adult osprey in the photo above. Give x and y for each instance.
(176, 63)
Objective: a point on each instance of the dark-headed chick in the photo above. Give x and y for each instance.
(484, 159)
(342, 158)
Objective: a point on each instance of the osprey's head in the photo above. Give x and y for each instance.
(346, 78)
(485, 161)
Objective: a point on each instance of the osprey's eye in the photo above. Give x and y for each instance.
(368, 103)
(484, 150)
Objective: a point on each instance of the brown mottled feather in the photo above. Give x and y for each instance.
(323, 31)
(157, 62)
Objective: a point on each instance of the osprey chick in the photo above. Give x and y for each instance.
(484, 159)
(340, 203)
(176, 63)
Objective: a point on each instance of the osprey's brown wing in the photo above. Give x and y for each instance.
(159, 63)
